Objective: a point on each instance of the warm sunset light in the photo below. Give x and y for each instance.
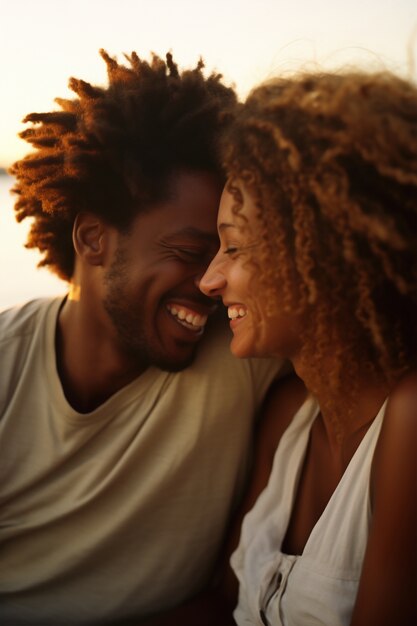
(43, 43)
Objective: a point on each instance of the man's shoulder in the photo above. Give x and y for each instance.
(21, 332)
(22, 319)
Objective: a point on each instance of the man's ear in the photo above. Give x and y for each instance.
(90, 238)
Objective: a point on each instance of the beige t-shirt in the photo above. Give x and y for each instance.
(119, 512)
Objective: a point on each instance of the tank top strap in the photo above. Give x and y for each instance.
(349, 507)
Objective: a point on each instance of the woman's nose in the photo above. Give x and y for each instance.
(212, 281)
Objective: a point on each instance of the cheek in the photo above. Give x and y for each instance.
(242, 281)
(281, 334)
(170, 272)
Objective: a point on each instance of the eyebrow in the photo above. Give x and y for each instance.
(224, 226)
(194, 233)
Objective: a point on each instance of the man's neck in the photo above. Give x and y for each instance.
(90, 367)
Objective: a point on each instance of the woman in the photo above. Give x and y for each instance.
(317, 264)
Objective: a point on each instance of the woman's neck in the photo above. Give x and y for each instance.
(347, 405)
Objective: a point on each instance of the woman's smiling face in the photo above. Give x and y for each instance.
(235, 273)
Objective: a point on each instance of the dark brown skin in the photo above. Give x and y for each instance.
(167, 249)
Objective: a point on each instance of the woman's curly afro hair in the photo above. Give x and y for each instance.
(331, 160)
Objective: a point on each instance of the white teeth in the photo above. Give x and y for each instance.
(187, 319)
(234, 313)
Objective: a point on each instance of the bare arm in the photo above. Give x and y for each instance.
(387, 589)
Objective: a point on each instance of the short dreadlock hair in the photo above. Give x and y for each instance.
(113, 150)
(331, 160)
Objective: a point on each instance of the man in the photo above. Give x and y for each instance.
(124, 420)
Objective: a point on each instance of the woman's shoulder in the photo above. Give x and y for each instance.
(402, 402)
(390, 561)
(396, 451)
(400, 419)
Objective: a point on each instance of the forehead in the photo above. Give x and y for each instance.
(190, 209)
(237, 207)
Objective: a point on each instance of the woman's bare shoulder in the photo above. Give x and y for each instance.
(387, 588)
(402, 403)
(398, 437)
(398, 440)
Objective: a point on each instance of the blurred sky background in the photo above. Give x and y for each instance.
(44, 42)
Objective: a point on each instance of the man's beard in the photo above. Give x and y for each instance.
(129, 321)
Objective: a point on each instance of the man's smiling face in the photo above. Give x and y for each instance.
(150, 288)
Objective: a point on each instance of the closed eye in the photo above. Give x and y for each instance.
(192, 255)
(234, 250)
(231, 250)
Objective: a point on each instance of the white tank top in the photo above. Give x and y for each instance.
(318, 587)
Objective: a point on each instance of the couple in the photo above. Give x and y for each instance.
(126, 424)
